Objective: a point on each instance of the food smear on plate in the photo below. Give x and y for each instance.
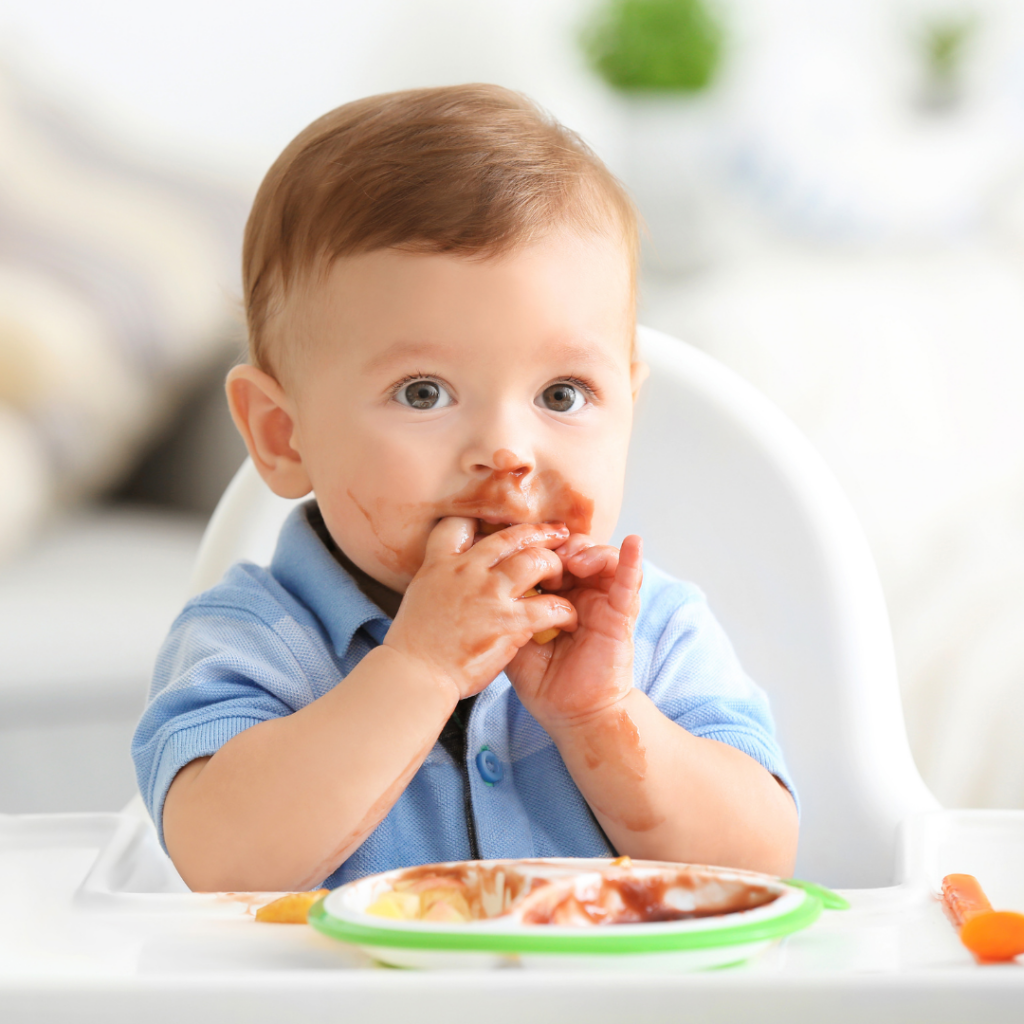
(622, 899)
(993, 936)
(620, 893)
(451, 894)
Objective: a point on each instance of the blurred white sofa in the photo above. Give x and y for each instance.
(84, 611)
(117, 271)
(84, 608)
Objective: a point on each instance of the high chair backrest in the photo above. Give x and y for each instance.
(727, 493)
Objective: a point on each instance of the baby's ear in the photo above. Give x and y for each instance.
(638, 373)
(265, 418)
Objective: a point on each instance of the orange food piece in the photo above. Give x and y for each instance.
(989, 934)
(289, 909)
(545, 636)
(994, 935)
(964, 898)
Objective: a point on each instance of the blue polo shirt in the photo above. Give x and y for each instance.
(265, 642)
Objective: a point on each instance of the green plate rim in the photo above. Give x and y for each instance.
(801, 916)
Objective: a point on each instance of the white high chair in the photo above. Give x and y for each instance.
(727, 493)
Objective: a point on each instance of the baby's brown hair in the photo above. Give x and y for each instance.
(470, 170)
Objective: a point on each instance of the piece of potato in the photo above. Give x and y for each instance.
(444, 905)
(400, 906)
(290, 909)
(443, 912)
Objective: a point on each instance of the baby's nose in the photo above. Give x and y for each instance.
(505, 462)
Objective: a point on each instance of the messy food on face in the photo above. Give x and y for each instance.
(534, 893)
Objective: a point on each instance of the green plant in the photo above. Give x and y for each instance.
(945, 46)
(654, 45)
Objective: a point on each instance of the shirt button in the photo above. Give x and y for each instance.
(489, 767)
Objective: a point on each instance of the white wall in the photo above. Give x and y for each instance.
(232, 82)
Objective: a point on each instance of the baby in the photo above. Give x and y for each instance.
(440, 290)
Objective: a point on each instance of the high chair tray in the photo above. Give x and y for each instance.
(95, 925)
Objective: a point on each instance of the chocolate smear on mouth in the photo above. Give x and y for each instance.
(512, 492)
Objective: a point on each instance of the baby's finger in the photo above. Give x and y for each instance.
(625, 588)
(596, 560)
(531, 567)
(546, 611)
(499, 546)
(576, 542)
(452, 536)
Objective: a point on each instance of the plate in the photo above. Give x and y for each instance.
(507, 939)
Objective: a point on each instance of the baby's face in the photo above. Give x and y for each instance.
(497, 389)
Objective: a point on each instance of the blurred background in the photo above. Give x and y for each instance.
(834, 195)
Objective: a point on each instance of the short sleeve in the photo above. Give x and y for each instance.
(220, 671)
(687, 666)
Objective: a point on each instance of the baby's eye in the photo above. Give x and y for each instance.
(423, 394)
(562, 397)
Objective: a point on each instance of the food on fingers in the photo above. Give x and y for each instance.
(545, 636)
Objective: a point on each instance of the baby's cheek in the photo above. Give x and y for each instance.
(402, 549)
(364, 526)
(414, 551)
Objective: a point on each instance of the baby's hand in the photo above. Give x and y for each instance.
(462, 616)
(584, 672)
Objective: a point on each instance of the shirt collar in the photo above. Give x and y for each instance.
(305, 568)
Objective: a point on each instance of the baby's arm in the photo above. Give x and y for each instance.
(661, 793)
(658, 791)
(283, 803)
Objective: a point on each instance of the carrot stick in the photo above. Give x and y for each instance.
(963, 898)
(991, 935)
(997, 935)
